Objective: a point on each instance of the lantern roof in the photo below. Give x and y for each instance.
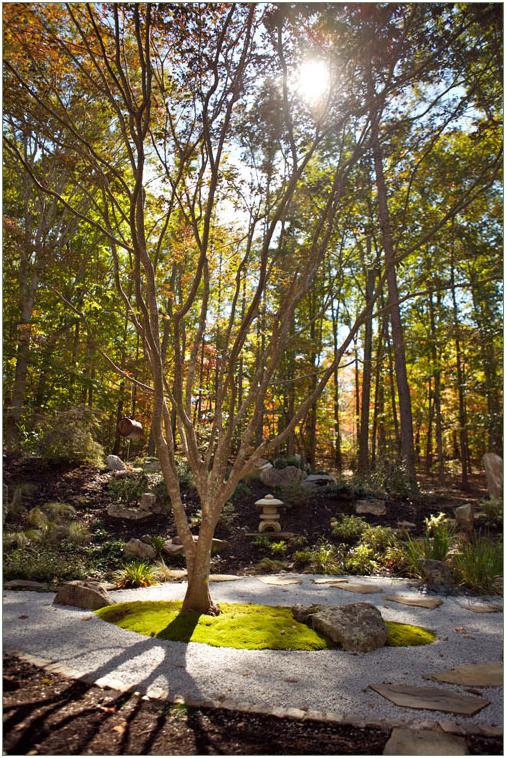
(269, 500)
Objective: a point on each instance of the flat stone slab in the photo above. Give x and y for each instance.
(405, 741)
(473, 674)
(278, 580)
(430, 698)
(223, 577)
(484, 607)
(362, 589)
(373, 507)
(26, 584)
(417, 600)
(329, 581)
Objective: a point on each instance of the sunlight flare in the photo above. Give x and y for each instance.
(312, 81)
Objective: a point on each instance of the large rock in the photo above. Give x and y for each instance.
(373, 507)
(152, 466)
(116, 510)
(217, 546)
(493, 466)
(139, 549)
(319, 480)
(115, 463)
(465, 518)
(436, 573)
(358, 627)
(87, 594)
(26, 584)
(281, 477)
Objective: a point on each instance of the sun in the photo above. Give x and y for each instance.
(312, 81)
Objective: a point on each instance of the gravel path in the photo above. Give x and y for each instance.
(331, 681)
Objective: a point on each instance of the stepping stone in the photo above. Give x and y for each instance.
(224, 577)
(474, 674)
(278, 580)
(362, 589)
(484, 607)
(430, 698)
(329, 581)
(418, 600)
(373, 507)
(424, 742)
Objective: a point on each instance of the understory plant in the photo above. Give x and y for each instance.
(348, 528)
(128, 489)
(479, 564)
(135, 574)
(324, 558)
(491, 513)
(435, 543)
(68, 435)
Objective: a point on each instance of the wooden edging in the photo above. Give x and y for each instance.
(160, 693)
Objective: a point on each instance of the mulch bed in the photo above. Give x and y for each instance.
(47, 714)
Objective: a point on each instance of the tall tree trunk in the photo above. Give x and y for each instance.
(429, 435)
(396, 427)
(364, 465)
(378, 427)
(435, 359)
(406, 426)
(460, 378)
(338, 461)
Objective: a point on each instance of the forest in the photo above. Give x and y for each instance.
(259, 230)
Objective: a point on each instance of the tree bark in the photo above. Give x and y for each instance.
(364, 464)
(460, 379)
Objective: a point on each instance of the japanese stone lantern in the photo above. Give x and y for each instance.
(269, 516)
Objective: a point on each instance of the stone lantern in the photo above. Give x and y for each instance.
(269, 516)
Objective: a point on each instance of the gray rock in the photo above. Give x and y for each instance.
(115, 463)
(148, 502)
(217, 545)
(139, 549)
(374, 507)
(319, 480)
(436, 573)
(405, 741)
(115, 510)
(170, 548)
(493, 466)
(465, 518)
(83, 594)
(358, 627)
(281, 477)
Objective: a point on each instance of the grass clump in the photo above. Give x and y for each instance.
(243, 626)
(240, 625)
(136, 574)
(348, 528)
(479, 564)
(401, 635)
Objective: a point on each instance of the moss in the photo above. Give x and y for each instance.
(251, 627)
(400, 635)
(243, 626)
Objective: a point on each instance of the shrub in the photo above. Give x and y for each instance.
(59, 511)
(262, 542)
(348, 528)
(340, 489)
(290, 460)
(322, 559)
(299, 541)
(361, 560)
(479, 563)
(379, 538)
(128, 489)
(68, 436)
(242, 490)
(157, 543)
(78, 534)
(228, 516)
(135, 574)
(268, 564)
(184, 474)
(492, 512)
(37, 518)
(278, 548)
(43, 564)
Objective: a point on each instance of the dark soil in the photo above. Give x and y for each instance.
(306, 515)
(47, 714)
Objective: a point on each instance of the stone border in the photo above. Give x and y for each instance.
(159, 693)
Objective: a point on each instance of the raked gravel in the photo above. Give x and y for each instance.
(332, 681)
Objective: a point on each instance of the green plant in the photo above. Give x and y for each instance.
(491, 513)
(278, 548)
(322, 559)
(435, 544)
(194, 521)
(37, 518)
(157, 543)
(77, 534)
(290, 460)
(16, 539)
(361, 560)
(479, 564)
(268, 564)
(262, 542)
(43, 563)
(135, 574)
(68, 435)
(184, 474)
(162, 571)
(299, 541)
(128, 489)
(242, 490)
(379, 538)
(59, 511)
(348, 528)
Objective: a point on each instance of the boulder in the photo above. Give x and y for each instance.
(319, 480)
(171, 548)
(358, 627)
(152, 466)
(115, 463)
(83, 594)
(217, 546)
(262, 463)
(465, 518)
(139, 549)
(436, 573)
(148, 502)
(281, 477)
(374, 507)
(116, 510)
(493, 466)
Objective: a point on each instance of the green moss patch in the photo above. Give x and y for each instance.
(251, 627)
(240, 625)
(400, 635)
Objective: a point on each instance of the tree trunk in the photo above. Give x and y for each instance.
(338, 462)
(364, 465)
(435, 359)
(406, 427)
(460, 378)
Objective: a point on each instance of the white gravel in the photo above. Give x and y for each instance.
(328, 680)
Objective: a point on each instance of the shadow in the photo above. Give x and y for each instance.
(181, 628)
